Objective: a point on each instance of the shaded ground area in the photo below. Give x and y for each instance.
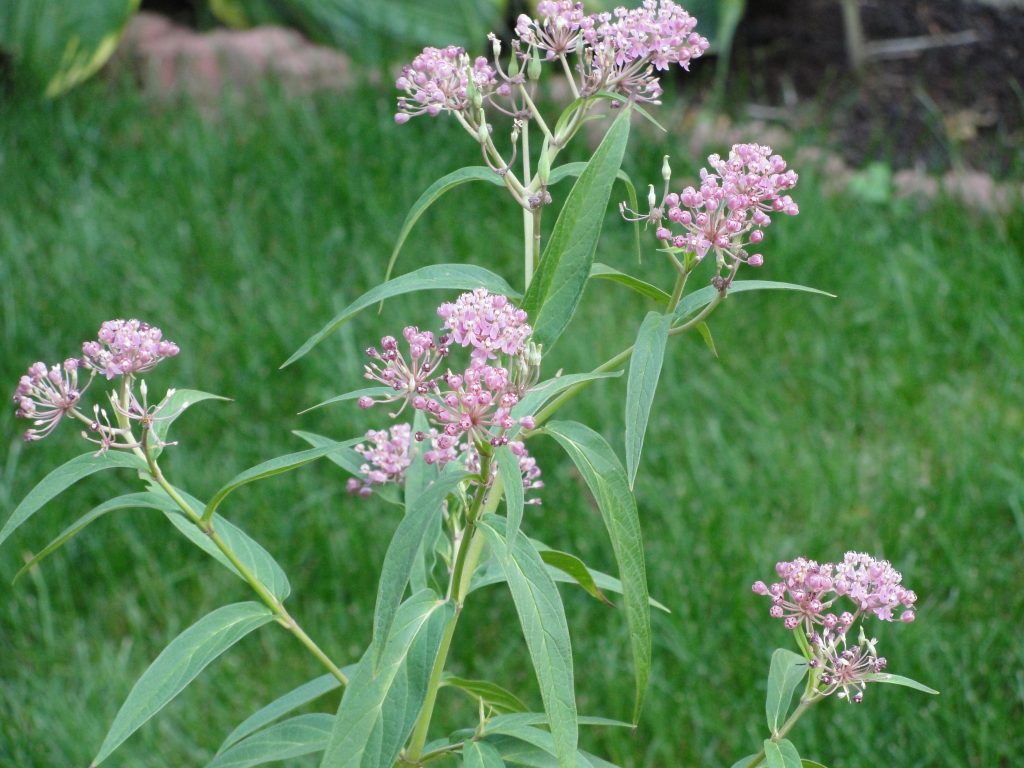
(930, 108)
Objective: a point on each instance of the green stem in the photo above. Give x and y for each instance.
(535, 112)
(569, 76)
(276, 606)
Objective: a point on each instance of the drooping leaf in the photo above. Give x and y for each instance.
(539, 395)
(179, 664)
(786, 672)
(282, 705)
(401, 552)
(430, 196)
(447, 277)
(607, 481)
(885, 677)
(127, 501)
(492, 694)
(355, 395)
(545, 629)
(557, 287)
(267, 469)
(347, 458)
(601, 271)
(781, 754)
(709, 341)
(383, 699)
(173, 407)
(62, 478)
(644, 372)
(575, 568)
(696, 301)
(512, 484)
(297, 736)
(480, 754)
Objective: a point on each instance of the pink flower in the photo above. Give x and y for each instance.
(46, 395)
(439, 79)
(126, 347)
(489, 323)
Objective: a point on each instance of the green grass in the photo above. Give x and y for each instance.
(888, 420)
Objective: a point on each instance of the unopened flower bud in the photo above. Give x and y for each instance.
(495, 45)
(666, 169)
(533, 68)
(652, 196)
(483, 134)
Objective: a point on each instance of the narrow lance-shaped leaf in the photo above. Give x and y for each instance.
(696, 301)
(746, 762)
(786, 672)
(62, 478)
(480, 754)
(347, 458)
(267, 469)
(569, 170)
(282, 705)
(644, 372)
(542, 393)
(557, 287)
(448, 277)
(781, 754)
(418, 475)
(603, 272)
(885, 677)
(574, 567)
(512, 483)
(354, 395)
(492, 694)
(179, 664)
(173, 406)
(297, 736)
(607, 481)
(546, 631)
(430, 196)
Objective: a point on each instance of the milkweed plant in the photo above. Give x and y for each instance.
(461, 400)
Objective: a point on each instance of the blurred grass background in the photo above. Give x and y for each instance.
(887, 420)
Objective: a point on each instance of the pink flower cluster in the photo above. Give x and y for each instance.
(387, 457)
(808, 591)
(845, 670)
(486, 322)
(730, 210)
(439, 79)
(407, 377)
(556, 31)
(126, 347)
(46, 395)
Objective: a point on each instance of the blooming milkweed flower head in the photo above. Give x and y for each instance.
(442, 80)
(387, 457)
(46, 395)
(556, 31)
(410, 375)
(845, 669)
(126, 347)
(489, 323)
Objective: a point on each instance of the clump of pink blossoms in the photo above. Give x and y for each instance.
(126, 347)
(439, 80)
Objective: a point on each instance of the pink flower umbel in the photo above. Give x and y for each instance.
(556, 31)
(439, 80)
(845, 670)
(387, 457)
(489, 323)
(126, 348)
(46, 395)
(407, 377)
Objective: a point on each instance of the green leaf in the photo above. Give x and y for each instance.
(300, 735)
(535, 748)
(418, 476)
(480, 754)
(546, 631)
(267, 469)
(173, 406)
(492, 694)
(447, 277)
(368, 391)
(510, 723)
(574, 567)
(62, 478)
(430, 196)
(781, 754)
(745, 762)
(810, 764)
(346, 458)
(644, 372)
(607, 481)
(557, 287)
(383, 699)
(401, 554)
(786, 672)
(705, 333)
(604, 272)
(282, 705)
(127, 501)
(179, 664)
(885, 677)
(569, 170)
(512, 483)
(696, 301)
(539, 395)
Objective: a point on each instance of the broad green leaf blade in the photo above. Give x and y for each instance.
(644, 372)
(127, 501)
(62, 478)
(418, 475)
(259, 562)
(546, 631)
(537, 397)
(267, 469)
(556, 289)
(493, 695)
(179, 664)
(346, 458)
(447, 277)
(885, 677)
(512, 483)
(575, 568)
(607, 481)
(745, 762)
(401, 553)
(781, 754)
(480, 754)
(297, 736)
(786, 672)
(368, 391)
(535, 748)
(383, 699)
(173, 406)
(430, 196)
(603, 272)
(696, 301)
(282, 705)
(510, 723)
